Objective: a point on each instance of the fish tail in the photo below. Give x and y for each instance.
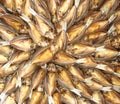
(95, 100)
(106, 89)
(112, 29)
(50, 100)
(112, 18)
(88, 23)
(99, 48)
(3, 96)
(4, 43)
(19, 83)
(117, 74)
(81, 60)
(76, 91)
(32, 11)
(25, 18)
(116, 88)
(101, 66)
(7, 65)
(77, 2)
(88, 79)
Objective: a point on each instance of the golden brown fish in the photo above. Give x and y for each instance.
(57, 97)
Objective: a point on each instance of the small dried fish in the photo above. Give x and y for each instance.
(63, 58)
(63, 8)
(22, 93)
(79, 49)
(57, 98)
(110, 95)
(99, 77)
(25, 70)
(77, 31)
(41, 8)
(44, 26)
(52, 4)
(77, 73)
(100, 25)
(65, 80)
(85, 91)
(15, 22)
(98, 95)
(82, 9)
(93, 85)
(105, 54)
(50, 85)
(67, 97)
(34, 33)
(9, 87)
(109, 6)
(6, 33)
(94, 38)
(26, 6)
(23, 43)
(36, 97)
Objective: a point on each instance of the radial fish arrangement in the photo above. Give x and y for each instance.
(59, 51)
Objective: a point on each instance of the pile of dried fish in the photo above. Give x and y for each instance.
(59, 51)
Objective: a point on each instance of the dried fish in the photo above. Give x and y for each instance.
(67, 97)
(57, 98)
(23, 43)
(22, 94)
(15, 22)
(110, 95)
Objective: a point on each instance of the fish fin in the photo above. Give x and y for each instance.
(76, 91)
(112, 29)
(50, 100)
(83, 60)
(7, 65)
(88, 79)
(3, 96)
(64, 25)
(33, 12)
(117, 74)
(77, 2)
(30, 95)
(116, 88)
(99, 48)
(101, 66)
(25, 18)
(106, 89)
(95, 100)
(4, 43)
(18, 84)
(88, 23)
(112, 18)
